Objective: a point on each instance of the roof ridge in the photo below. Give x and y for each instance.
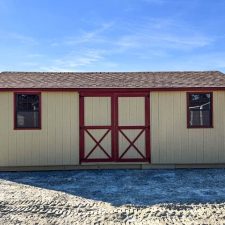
(124, 72)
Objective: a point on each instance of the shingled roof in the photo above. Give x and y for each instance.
(112, 79)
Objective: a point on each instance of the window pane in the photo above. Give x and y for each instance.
(200, 110)
(27, 119)
(27, 102)
(32, 103)
(27, 111)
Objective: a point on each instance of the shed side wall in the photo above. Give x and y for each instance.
(171, 140)
(57, 143)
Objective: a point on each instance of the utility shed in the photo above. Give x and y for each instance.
(112, 120)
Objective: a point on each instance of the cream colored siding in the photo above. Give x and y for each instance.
(97, 111)
(131, 111)
(173, 142)
(5, 110)
(57, 143)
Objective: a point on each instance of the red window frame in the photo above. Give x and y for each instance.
(211, 110)
(39, 114)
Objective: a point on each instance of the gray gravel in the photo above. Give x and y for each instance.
(113, 197)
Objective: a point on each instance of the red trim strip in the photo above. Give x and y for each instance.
(96, 160)
(113, 131)
(81, 121)
(116, 130)
(132, 127)
(133, 160)
(147, 130)
(141, 94)
(95, 127)
(95, 94)
(112, 90)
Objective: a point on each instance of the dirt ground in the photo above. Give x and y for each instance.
(113, 197)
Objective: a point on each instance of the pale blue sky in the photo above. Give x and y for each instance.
(112, 35)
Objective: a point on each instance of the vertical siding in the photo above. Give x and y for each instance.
(220, 120)
(97, 111)
(57, 143)
(173, 142)
(4, 156)
(154, 125)
(131, 111)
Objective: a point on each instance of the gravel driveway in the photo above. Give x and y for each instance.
(113, 197)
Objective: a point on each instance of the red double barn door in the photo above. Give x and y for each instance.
(114, 127)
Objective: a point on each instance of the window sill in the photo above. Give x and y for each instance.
(193, 127)
(27, 128)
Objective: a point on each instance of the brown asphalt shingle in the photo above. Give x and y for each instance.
(112, 79)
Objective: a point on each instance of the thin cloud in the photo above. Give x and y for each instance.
(150, 43)
(74, 61)
(165, 34)
(93, 36)
(21, 38)
(209, 61)
(35, 55)
(166, 41)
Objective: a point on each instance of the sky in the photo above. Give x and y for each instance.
(112, 35)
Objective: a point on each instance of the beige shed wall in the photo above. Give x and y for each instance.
(57, 143)
(171, 140)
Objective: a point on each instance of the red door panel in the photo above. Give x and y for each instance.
(114, 127)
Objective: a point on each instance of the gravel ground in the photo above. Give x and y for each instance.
(113, 197)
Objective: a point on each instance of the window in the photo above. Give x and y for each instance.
(199, 110)
(27, 111)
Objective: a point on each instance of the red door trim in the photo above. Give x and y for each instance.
(84, 128)
(115, 128)
(145, 128)
(132, 143)
(97, 143)
(113, 115)
(148, 130)
(116, 121)
(81, 120)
